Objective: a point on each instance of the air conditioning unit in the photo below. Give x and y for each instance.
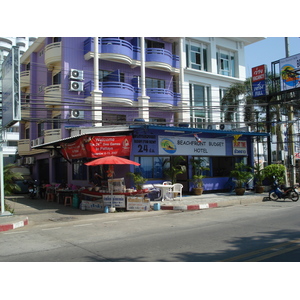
(53, 153)
(225, 127)
(76, 114)
(76, 74)
(33, 143)
(76, 86)
(29, 160)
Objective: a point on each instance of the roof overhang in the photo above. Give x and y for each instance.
(105, 131)
(185, 130)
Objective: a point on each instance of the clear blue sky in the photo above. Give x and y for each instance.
(269, 50)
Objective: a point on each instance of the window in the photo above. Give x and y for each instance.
(41, 128)
(56, 122)
(154, 44)
(155, 83)
(105, 76)
(79, 170)
(152, 167)
(199, 105)
(226, 62)
(196, 56)
(56, 79)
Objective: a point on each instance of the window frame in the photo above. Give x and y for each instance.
(203, 48)
(230, 70)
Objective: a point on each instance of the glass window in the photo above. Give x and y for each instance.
(41, 128)
(152, 167)
(199, 105)
(57, 78)
(196, 56)
(226, 63)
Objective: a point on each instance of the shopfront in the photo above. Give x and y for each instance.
(155, 147)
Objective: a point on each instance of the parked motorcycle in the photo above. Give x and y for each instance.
(278, 192)
(32, 189)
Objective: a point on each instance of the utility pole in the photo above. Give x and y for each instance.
(290, 130)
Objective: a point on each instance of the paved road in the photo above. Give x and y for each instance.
(266, 231)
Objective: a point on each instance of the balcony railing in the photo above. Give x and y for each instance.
(52, 135)
(23, 146)
(118, 49)
(25, 79)
(161, 97)
(111, 89)
(52, 54)
(52, 95)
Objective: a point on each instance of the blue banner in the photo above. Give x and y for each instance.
(259, 88)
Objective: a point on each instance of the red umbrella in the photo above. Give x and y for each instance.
(111, 160)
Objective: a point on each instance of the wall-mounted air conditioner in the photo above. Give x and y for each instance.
(76, 114)
(76, 74)
(29, 160)
(76, 86)
(213, 127)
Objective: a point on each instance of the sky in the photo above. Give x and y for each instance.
(269, 50)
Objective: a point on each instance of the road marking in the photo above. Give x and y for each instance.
(80, 225)
(261, 251)
(110, 222)
(18, 232)
(53, 228)
(134, 219)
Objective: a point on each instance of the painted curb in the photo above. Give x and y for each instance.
(189, 207)
(13, 225)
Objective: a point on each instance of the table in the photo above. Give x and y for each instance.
(164, 191)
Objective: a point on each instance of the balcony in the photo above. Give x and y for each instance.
(52, 55)
(52, 135)
(112, 49)
(161, 97)
(161, 59)
(52, 95)
(25, 79)
(24, 147)
(113, 92)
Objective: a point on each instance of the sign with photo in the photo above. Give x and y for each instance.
(289, 72)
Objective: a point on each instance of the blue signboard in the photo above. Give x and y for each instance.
(259, 88)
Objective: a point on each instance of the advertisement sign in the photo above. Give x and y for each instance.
(97, 146)
(109, 145)
(11, 103)
(289, 79)
(137, 203)
(115, 200)
(170, 145)
(259, 86)
(240, 148)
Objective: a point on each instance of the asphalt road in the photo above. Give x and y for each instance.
(266, 231)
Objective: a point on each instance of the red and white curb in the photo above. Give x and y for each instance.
(189, 207)
(13, 225)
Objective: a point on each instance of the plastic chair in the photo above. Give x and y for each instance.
(167, 183)
(176, 189)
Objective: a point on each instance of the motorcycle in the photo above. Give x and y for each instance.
(280, 192)
(32, 189)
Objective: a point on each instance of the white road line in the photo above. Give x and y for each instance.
(110, 222)
(134, 219)
(81, 225)
(18, 232)
(53, 228)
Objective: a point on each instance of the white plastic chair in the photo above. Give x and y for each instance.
(167, 183)
(176, 189)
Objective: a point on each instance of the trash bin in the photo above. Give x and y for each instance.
(156, 206)
(75, 202)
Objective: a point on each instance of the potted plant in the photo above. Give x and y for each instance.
(259, 176)
(199, 168)
(242, 174)
(138, 180)
(175, 168)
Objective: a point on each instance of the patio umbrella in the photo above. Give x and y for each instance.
(111, 160)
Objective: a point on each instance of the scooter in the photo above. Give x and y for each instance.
(32, 189)
(277, 192)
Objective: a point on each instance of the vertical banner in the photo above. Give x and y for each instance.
(259, 86)
(289, 72)
(11, 103)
